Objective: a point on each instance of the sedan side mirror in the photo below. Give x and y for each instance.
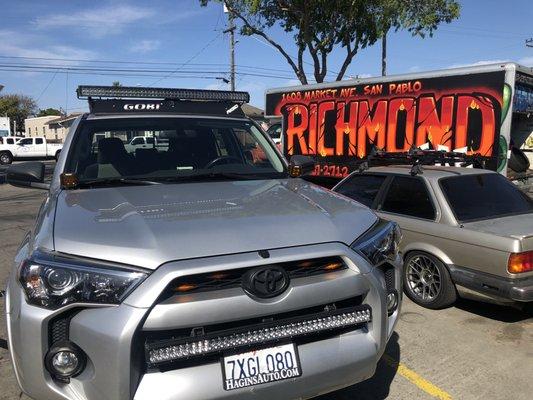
(27, 174)
(301, 165)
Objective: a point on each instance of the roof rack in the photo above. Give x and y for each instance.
(135, 100)
(134, 92)
(417, 158)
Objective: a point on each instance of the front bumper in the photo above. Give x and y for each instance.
(114, 337)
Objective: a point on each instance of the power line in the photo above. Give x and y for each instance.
(160, 74)
(77, 60)
(188, 61)
(46, 87)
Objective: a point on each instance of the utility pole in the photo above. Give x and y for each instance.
(231, 31)
(384, 54)
(529, 42)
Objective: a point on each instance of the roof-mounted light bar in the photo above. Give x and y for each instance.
(122, 92)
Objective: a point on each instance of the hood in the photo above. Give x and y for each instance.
(514, 226)
(147, 226)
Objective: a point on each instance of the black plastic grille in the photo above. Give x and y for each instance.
(59, 327)
(390, 279)
(233, 278)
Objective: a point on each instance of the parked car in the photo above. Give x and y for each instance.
(462, 227)
(7, 146)
(196, 272)
(32, 148)
(146, 142)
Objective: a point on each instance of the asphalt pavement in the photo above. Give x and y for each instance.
(471, 351)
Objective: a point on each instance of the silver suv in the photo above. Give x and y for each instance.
(203, 270)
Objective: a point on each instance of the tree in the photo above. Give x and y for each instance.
(17, 107)
(116, 84)
(321, 26)
(48, 111)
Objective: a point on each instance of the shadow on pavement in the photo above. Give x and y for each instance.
(377, 387)
(493, 311)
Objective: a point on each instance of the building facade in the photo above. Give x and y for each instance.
(52, 127)
(5, 126)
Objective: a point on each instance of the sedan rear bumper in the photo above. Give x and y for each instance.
(497, 287)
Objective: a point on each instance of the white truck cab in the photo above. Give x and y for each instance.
(29, 148)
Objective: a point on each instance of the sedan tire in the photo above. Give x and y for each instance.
(427, 281)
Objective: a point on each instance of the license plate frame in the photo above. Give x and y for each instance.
(259, 358)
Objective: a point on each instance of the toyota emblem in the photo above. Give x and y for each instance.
(266, 282)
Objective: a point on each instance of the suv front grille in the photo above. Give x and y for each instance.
(233, 278)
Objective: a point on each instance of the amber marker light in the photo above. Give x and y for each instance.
(68, 181)
(332, 266)
(520, 262)
(185, 287)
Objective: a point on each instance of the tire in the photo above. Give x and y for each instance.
(427, 281)
(518, 161)
(6, 158)
(58, 153)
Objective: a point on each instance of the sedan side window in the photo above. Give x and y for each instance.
(362, 188)
(409, 196)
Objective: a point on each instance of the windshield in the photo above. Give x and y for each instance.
(484, 196)
(172, 148)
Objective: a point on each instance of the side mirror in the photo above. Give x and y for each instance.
(28, 174)
(300, 165)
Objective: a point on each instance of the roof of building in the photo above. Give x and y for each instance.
(252, 111)
(62, 119)
(50, 117)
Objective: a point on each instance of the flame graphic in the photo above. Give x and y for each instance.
(430, 137)
(402, 106)
(347, 130)
(297, 110)
(474, 105)
(323, 152)
(376, 128)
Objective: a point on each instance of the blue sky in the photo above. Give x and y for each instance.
(180, 31)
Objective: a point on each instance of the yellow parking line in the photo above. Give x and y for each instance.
(416, 379)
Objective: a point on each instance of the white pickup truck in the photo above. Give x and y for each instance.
(29, 148)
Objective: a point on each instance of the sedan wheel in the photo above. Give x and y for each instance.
(427, 281)
(423, 277)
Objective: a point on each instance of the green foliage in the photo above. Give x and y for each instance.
(321, 26)
(116, 84)
(17, 107)
(48, 111)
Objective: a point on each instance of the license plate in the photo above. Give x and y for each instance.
(260, 366)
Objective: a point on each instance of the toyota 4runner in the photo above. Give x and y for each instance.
(203, 270)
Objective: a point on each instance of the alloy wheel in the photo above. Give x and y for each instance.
(423, 278)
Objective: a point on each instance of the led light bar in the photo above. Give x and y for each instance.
(191, 347)
(161, 93)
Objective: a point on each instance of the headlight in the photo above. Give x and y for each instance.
(52, 282)
(380, 243)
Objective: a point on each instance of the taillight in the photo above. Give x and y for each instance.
(520, 262)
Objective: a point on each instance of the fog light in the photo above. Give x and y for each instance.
(65, 360)
(392, 302)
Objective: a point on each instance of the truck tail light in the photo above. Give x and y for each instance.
(520, 262)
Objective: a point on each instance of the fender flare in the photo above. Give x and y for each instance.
(427, 248)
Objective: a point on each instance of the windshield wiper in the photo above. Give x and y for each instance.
(115, 182)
